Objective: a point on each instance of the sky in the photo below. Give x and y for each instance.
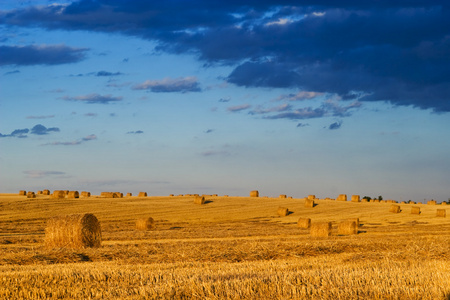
(224, 97)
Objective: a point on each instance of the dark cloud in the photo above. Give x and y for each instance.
(106, 73)
(19, 133)
(94, 99)
(224, 100)
(335, 125)
(209, 130)
(12, 72)
(397, 51)
(279, 108)
(135, 132)
(42, 130)
(40, 55)
(302, 124)
(169, 85)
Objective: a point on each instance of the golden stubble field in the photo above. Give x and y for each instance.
(228, 248)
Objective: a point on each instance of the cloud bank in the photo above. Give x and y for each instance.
(396, 51)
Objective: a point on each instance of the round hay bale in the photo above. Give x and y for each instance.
(282, 211)
(431, 202)
(311, 197)
(309, 203)
(22, 193)
(441, 213)
(145, 224)
(355, 198)
(342, 197)
(347, 228)
(59, 194)
(171, 195)
(415, 210)
(142, 194)
(283, 196)
(129, 195)
(394, 209)
(199, 200)
(31, 194)
(304, 223)
(320, 229)
(108, 195)
(85, 194)
(118, 195)
(46, 192)
(73, 194)
(39, 192)
(356, 220)
(254, 194)
(444, 203)
(73, 231)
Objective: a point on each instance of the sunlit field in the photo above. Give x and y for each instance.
(228, 248)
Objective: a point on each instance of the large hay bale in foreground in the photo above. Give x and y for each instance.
(22, 193)
(73, 194)
(304, 223)
(320, 229)
(415, 210)
(282, 211)
(73, 231)
(199, 200)
(347, 228)
(59, 194)
(142, 194)
(441, 213)
(145, 224)
(309, 203)
(394, 209)
(254, 194)
(355, 198)
(342, 197)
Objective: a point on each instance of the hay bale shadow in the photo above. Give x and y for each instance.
(208, 201)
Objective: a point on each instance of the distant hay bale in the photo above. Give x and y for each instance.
(282, 211)
(444, 203)
(31, 194)
(85, 194)
(364, 200)
(171, 195)
(39, 192)
(22, 193)
(118, 195)
(214, 195)
(225, 196)
(320, 229)
(283, 196)
(431, 202)
(108, 195)
(254, 194)
(145, 224)
(199, 200)
(355, 198)
(129, 195)
(309, 203)
(342, 197)
(415, 210)
(73, 231)
(66, 192)
(347, 228)
(46, 192)
(73, 194)
(142, 194)
(356, 220)
(59, 194)
(304, 223)
(311, 197)
(394, 209)
(441, 213)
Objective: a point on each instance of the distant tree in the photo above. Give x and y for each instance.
(367, 197)
(380, 198)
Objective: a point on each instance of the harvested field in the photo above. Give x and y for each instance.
(232, 248)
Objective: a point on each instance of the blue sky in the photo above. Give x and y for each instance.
(322, 97)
